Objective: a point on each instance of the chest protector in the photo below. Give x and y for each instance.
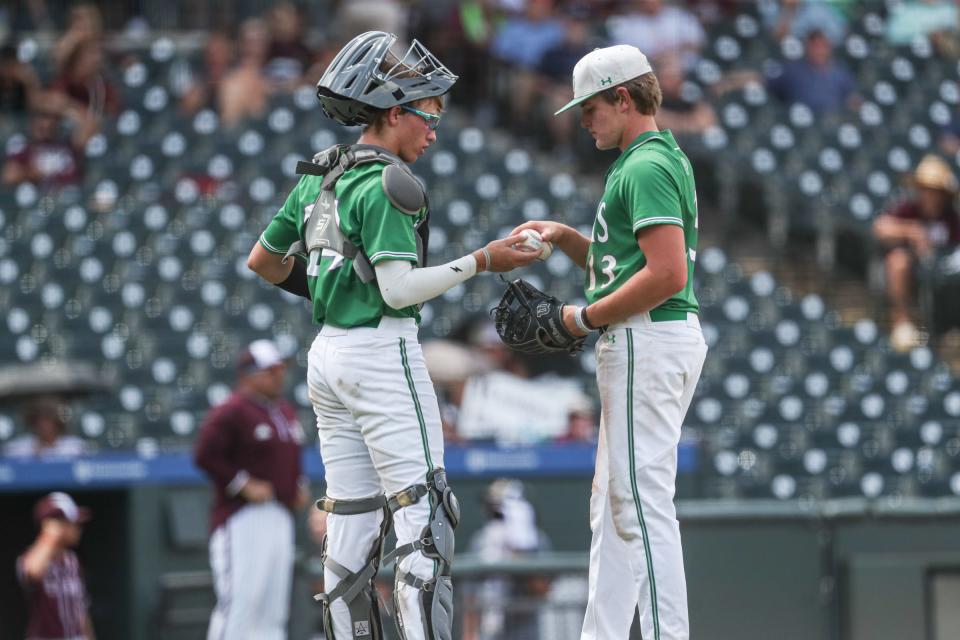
(321, 229)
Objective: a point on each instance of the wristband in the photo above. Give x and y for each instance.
(583, 320)
(486, 257)
(235, 486)
(578, 319)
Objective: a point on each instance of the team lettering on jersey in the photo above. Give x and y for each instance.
(601, 233)
(644, 187)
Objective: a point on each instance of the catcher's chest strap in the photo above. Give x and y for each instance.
(332, 163)
(399, 184)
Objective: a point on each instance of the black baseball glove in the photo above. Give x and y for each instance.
(531, 321)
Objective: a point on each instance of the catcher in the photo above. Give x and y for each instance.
(352, 238)
(639, 287)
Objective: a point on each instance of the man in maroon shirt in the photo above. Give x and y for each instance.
(249, 446)
(51, 575)
(49, 157)
(913, 231)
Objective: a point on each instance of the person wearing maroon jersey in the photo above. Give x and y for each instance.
(51, 575)
(249, 446)
(48, 156)
(913, 232)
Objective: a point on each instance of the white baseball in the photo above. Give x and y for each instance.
(534, 242)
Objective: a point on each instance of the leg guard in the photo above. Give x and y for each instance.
(436, 543)
(356, 589)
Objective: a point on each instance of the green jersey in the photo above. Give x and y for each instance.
(369, 220)
(650, 183)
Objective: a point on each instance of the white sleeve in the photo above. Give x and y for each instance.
(403, 285)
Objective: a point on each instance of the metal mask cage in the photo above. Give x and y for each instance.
(367, 75)
(417, 61)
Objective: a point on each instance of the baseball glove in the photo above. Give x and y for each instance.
(531, 321)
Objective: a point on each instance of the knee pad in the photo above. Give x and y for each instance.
(437, 543)
(356, 589)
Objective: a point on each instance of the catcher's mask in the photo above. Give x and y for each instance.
(367, 76)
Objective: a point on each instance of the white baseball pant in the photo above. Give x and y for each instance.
(379, 426)
(646, 373)
(251, 556)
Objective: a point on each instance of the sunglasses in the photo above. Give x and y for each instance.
(432, 119)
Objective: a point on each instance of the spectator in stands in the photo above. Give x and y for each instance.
(520, 43)
(682, 114)
(84, 24)
(358, 16)
(501, 607)
(950, 136)
(46, 420)
(50, 573)
(581, 422)
(83, 79)
(658, 29)
(250, 448)
(817, 81)
(798, 18)
(48, 157)
(18, 82)
(204, 89)
(553, 76)
(288, 57)
(713, 11)
(521, 40)
(936, 20)
(462, 37)
(912, 232)
(482, 337)
(245, 89)
(473, 351)
(451, 364)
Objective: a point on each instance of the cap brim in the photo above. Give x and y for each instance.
(937, 185)
(575, 102)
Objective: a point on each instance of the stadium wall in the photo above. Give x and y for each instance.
(837, 570)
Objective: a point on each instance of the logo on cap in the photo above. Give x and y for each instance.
(602, 69)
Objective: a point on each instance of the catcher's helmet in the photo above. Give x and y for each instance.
(366, 76)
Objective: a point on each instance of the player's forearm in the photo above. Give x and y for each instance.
(38, 557)
(268, 266)
(647, 289)
(230, 477)
(402, 285)
(575, 245)
(889, 229)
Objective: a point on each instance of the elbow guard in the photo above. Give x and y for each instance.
(296, 282)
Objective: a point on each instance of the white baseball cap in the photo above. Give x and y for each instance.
(605, 68)
(60, 505)
(259, 355)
